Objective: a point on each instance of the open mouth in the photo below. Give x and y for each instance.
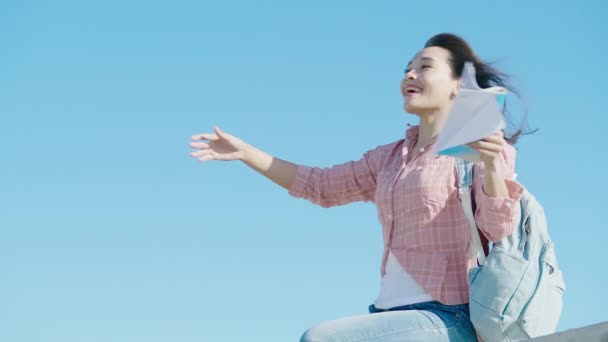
(410, 90)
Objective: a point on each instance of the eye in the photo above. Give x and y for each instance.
(406, 71)
(426, 66)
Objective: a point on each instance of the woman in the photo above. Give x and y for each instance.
(424, 292)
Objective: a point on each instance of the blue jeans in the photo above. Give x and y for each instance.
(428, 321)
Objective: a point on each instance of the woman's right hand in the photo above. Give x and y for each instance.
(217, 146)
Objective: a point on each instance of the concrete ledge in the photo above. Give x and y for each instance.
(593, 333)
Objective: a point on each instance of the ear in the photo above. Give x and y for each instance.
(456, 89)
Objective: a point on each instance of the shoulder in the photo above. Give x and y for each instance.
(381, 154)
(385, 150)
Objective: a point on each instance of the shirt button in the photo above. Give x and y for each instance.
(422, 149)
(390, 188)
(390, 216)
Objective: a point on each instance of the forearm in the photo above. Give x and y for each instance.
(494, 180)
(279, 171)
(497, 195)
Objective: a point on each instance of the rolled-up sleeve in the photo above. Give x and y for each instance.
(496, 217)
(340, 184)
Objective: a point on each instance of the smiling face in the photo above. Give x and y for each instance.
(429, 85)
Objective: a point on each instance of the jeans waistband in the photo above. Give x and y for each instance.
(436, 305)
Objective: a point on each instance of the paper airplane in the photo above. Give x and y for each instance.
(475, 114)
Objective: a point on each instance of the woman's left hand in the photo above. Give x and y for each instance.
(490, 148)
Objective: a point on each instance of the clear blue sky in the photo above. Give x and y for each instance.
(110, 231)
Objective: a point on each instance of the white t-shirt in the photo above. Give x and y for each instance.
(398, 287)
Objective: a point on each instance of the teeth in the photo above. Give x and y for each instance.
(412, 89)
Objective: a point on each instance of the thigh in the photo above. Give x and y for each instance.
(393, 326)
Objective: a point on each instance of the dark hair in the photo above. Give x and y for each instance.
(486, 75)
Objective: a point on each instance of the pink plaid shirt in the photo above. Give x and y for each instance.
(423, 223)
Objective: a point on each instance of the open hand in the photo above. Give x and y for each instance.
(217, 146)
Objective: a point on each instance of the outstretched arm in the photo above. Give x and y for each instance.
(223, 146)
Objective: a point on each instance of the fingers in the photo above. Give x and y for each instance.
(200, 153)
(495, 138)
(199, 145)
(493, 143)
(204, 155)
(203, 151)
(207, 136)
(219, 132)
(206, 151)
(485, 145)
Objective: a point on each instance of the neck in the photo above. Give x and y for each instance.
(430, 125)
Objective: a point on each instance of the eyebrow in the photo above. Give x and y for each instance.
(422, 59)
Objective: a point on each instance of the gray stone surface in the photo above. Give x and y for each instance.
(593, 333)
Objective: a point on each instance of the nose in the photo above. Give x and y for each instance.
(410, 75)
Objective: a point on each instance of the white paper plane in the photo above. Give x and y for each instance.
(475, 114)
